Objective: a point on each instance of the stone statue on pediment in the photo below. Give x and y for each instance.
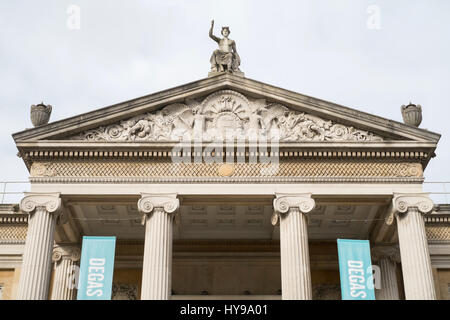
(226, 58)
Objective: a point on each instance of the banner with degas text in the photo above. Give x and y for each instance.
(355, 268)
(96, 268)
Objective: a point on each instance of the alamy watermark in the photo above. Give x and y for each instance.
(73, 21)
(230, 146)
(373, 21)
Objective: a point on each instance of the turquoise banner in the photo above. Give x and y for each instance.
(355, 269)
(96, 268)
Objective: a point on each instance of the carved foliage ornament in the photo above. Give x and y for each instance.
(222, 115)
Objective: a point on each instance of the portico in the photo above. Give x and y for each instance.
(197, 228)
(236, 223)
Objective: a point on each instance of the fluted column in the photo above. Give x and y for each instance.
(291, 210)
(65, 259)
(35, 275)
(158, 210)
(415, 257)
(387, 258)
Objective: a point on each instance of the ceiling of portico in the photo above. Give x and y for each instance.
(214, 220)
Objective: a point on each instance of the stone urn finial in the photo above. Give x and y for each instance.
(40, 114)
(412, 114)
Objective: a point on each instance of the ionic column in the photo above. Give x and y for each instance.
(387, 258)
(65, 259)
(415, 257)
(43, 210)
(158, 214)
(291, 210)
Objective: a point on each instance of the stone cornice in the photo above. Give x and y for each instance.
(15, 218)
(358, 150)
(69, 180)
(50, 201)
(350, 151)
(436, 218)
(390, 152)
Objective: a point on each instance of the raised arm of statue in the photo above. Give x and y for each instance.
(216, 39)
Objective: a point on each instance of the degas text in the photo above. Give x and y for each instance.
(357, 279)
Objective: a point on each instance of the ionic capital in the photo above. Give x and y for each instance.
(284, 202)
(385, 252)
(165, 201)
(50, 201)
(66, 252)
(403, 202)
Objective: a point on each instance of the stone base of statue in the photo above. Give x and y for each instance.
(236, 73)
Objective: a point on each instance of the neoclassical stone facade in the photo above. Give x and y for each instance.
(227, 188)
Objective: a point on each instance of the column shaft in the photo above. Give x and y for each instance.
(415, 257)
(61, 289)
(157, 267)
(389, 286)
(65, 258)
(36, 266)
(295, 265)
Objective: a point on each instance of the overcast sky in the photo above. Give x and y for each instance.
(368, 55)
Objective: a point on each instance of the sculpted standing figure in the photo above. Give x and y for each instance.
(226, 57)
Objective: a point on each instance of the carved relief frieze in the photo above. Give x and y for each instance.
(225, 114)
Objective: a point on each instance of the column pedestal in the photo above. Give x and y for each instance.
(415, 256)
(36, 266)
(291, 210)
(158, 217)
(65, 259)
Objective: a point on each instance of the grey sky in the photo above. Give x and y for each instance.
(127, 49)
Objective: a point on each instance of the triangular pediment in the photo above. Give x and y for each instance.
(214, 105)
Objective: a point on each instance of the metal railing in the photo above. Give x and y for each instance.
(10, 193)
(438, 191)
